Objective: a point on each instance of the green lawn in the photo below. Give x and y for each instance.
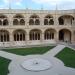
(29, 51)
(4, 66)
(67, 55)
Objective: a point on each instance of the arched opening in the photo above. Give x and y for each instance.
(31, 22)
(1, 23)
(37, 22)
(34, 20)
(15, 22)
(19, 35)
(18, 20)
(35, 34)
(61, 21)
(48, 20)
(22, 22)
(3, 20)
(65, 35)
(4, 36)
(66, 20)
(49, 34)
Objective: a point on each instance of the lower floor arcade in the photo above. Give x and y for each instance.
(20, 37)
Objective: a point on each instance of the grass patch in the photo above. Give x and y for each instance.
(4, 66)
(29, 51)
(67, 55)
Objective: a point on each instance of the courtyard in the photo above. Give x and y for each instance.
(61, 58)
(37, 37)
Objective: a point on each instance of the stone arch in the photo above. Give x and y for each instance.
(3, 20)
(34, 20)
(48, 20)
(49, 34)
(35, 34)
(65, 19)
(19, 35)
(65, 35)
(4, 36)
(34, 16)
(18, 19)
(18, 16)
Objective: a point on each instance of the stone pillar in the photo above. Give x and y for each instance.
(11, 39)
(27, 20)
(56, 22)
(57, 37)
(72, 37)
(41, 20)
(42, 37)
(27, 38)
(10, 18)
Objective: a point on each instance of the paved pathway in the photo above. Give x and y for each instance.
(72, 46)
(51, 52)
(58, 67)
(9, 55)
(55, 50)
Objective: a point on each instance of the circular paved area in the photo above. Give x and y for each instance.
(36, 64)
(17, 69)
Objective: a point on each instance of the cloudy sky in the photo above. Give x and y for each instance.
(37, 4)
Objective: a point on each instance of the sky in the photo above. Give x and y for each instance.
(38, 4)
